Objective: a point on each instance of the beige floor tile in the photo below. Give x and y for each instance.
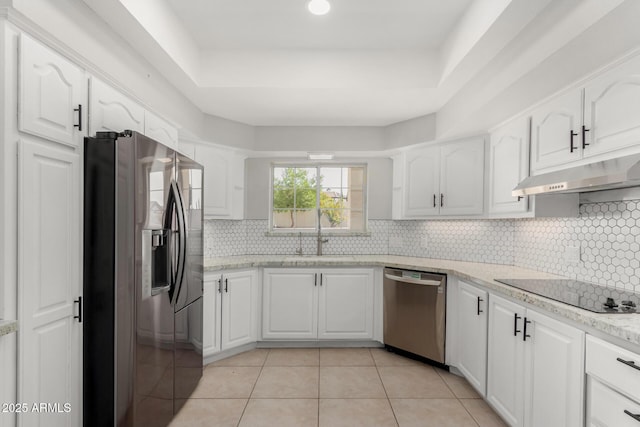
(458, 385)
(185, 379)
(287, 382)
(382, 357)
(356, 413)
(345, 357)
(293, 357)
(413, 382)
(152, 411)
(350, 382)
(431, 413)
(248, 358)
(209, 413)
(482, 413)
(226, 382)
(281, 413)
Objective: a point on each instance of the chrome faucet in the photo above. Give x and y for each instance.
(319, 238)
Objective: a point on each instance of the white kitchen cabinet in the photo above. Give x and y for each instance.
(49, 280)
(535, 372)
(160, 130)
(230, 310)
(611, 106)
(397, 196)
(316, 304)
(224, 181)
(472, 335)
(110, 110)
(444, 179)
(53, 95)
(508, 165)
(613, 375)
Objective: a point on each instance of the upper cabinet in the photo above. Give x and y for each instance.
(445, 179)
(53, 95)
(110, 110)
(508, 165)
(160, 130)
(595, 122)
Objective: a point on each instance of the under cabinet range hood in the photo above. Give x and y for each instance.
(605, 175)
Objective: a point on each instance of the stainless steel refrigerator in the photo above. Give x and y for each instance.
(143, 272)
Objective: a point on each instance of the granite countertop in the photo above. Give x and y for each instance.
(622, 326)
(8, 327)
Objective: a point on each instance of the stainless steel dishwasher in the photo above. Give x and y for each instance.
(414, 312)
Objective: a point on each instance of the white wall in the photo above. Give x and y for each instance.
(257, 181)
(412, 131)
(228, 132)
(319, 138)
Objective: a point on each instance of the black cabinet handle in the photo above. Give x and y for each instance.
(520, 198)
(628, 363)
(584, 136)
(441, 200)
(632, 415)
(79, 316)
(515, 324)
(79, 110)
(479, 301)
(320, 279)
(226, 285)
(315, 279)
(571, 135)
(220, 285)
(434, 200)
(524, 334)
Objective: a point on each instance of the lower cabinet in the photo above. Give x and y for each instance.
(230, 310)
(310, 304)
(613, 391)
(472, 335)
(535, 369)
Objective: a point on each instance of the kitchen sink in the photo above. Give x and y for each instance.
(325, 258)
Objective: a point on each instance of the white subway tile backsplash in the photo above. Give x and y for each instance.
(602, 245)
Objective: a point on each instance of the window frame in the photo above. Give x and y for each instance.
(318, 165)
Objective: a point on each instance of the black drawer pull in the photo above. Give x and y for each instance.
(434, 200)
(632, 415)
(515, 324)
(525, 335)
(479, 301)
(571, 146)
(628, 363)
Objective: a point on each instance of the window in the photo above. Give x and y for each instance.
(300, 192)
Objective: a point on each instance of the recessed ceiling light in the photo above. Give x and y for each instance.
(319, 7)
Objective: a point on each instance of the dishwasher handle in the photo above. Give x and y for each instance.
(413, 280)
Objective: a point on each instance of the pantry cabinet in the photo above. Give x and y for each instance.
(230, 310)
(53, 95)
(311, 304)
(472, 335)
(508, 166)
(445, 179)
(590, 123)
(111, 110)
(535, 369)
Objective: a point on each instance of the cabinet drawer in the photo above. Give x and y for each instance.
(606, 408)
(606, 361)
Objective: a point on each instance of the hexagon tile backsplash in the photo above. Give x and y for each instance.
(607, 235)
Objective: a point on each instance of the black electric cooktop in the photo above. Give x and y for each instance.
(588, 296)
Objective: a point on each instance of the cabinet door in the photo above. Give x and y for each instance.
(606, 408)
(397, 198)
(472, 335)
(422, 183)
(50, 351)
(239, 309)
(505, 360)
(218, 184)
(290, 304)
(160, 130)
(508, 165)
(346, 304)
(51, 91)
(110, 110)
(462, 178)
(211, 301)
(551, 128)
(611, 105)
(554, 373)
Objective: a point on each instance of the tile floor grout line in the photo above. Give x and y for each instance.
(456, 396)
(385, 389)
(253, 388)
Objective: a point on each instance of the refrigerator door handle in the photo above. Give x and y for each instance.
(175, 205)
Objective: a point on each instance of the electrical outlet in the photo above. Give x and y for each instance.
(396, 242)
(572, 254)
(424, 242)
